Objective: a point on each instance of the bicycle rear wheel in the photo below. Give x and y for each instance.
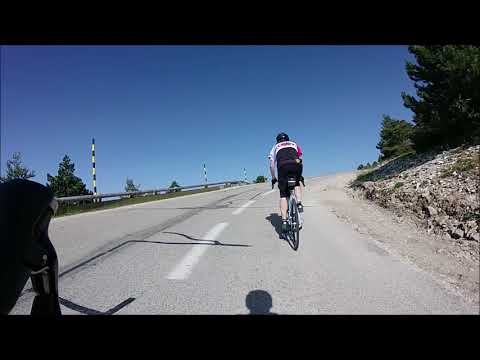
(294, 227)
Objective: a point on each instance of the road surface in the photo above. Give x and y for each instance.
(205, 253)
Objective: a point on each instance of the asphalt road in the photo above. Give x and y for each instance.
(210, 253)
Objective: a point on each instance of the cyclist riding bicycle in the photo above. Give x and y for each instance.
(286, 155)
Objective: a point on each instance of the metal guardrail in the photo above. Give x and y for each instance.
(70, 199)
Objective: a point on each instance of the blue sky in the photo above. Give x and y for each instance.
(159, 112)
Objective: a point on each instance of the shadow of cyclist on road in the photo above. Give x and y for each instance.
(259, 302)
(276, 221)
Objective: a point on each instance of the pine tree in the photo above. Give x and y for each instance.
(260, 179)
(447, 107)
(130, 186)
(394, 138)
(15, 169)
(66, 183)
(174, 185)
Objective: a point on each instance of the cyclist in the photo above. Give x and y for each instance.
(286, 155)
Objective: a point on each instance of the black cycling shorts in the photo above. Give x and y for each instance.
(285, 171)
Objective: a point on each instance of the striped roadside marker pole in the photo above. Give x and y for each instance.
(205, 172)
(245, 174)
(94, 173)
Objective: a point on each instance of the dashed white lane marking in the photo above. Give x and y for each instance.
(186, 265)
(243, 207)
(267, 193)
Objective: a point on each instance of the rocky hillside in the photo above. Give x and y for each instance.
(439, 190)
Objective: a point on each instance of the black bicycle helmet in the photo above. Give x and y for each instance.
(282, 137)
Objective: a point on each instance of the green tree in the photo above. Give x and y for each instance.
(360, 167)
(374, 164)
(260, 179)
(16, 170)
(130, 186)
(368, 165)
(66, 183)
(394, 138)
(447, 107)
(174, 185)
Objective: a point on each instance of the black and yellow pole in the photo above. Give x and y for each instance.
(94, 172)
(205, 172)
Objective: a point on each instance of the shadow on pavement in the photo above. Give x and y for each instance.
(212, 242)
(276, 221)
(259, 302)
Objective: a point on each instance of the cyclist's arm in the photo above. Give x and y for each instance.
(271, 158)
(272, 168)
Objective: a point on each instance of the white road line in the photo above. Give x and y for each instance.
(267, 193)
(185, 267)
(243, 207)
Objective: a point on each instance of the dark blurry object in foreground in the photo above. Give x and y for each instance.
(259, 302)
(26, 208)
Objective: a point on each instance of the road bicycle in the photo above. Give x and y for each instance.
(294, 219)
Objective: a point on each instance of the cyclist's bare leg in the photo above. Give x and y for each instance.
(298, 193)
(283, 208)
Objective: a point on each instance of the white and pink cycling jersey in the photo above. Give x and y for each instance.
(286, 150)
